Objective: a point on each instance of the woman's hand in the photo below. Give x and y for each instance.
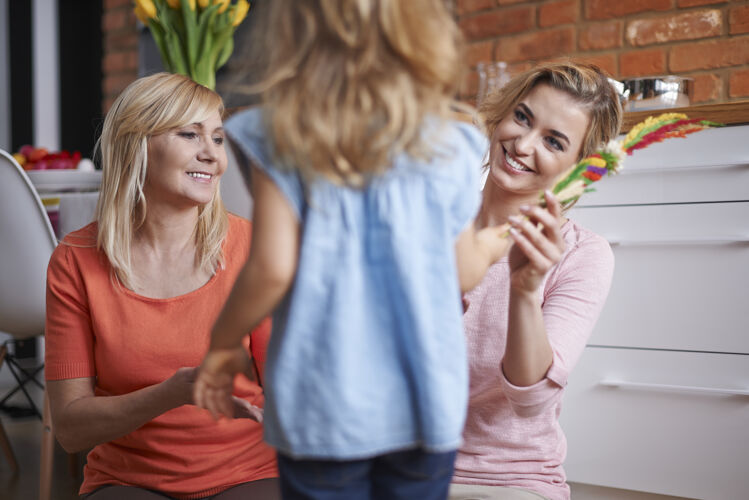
(215, 381)
(245, 409)
(539, 244)
(182, 384)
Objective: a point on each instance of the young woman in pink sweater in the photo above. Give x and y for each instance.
(528, 321)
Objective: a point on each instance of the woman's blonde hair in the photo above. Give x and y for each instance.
(347, 83)
(150, 106)
(585, 83)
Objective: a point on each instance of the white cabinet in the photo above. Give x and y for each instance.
(659, 402)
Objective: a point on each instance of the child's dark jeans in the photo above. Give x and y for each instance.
(407, 475)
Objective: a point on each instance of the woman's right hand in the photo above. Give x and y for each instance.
(182, 383)
(539, 244)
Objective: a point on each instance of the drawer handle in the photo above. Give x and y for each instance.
(640, 386)
(666, 170)
(701, 241)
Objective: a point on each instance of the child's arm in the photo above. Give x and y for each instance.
(476, 250)
(260, 286)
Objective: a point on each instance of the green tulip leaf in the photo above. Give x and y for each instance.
(190, 24)
(158, 34)
(225, 53)
(176, 53)
(205, 35)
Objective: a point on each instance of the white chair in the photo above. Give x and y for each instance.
(26, 243)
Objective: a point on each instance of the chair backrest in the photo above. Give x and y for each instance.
(26, 244)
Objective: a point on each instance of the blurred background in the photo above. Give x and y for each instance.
(62, 62)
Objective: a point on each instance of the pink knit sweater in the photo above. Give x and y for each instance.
(512, 435)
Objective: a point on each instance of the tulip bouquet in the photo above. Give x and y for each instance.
(608, 161)
(195, 37)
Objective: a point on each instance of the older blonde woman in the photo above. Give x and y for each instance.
(131, 299)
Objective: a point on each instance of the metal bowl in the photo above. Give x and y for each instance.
(657, 92)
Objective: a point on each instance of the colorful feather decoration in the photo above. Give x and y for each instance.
(576, 181)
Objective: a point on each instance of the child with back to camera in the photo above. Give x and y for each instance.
(363, 239)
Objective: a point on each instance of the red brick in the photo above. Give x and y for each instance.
(607, 9)
(738, 85)
(515, 69)
(497, 23)
(115, 62)
(695, 3)
(642, 63)
(607, 62)
(112, 4)
(738, 20)
(470, 85)
(687, 26)
(560, 12)
(122, 40)
(706, 88)
(479, 51)
(467, 6)
(510, 2)
(114, 20)
(600, 36)
(709, 54)
(534, 46)
(114, 84)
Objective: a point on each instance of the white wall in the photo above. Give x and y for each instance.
(46, 74)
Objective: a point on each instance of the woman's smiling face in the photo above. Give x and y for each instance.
(540, 138)
(185, 164)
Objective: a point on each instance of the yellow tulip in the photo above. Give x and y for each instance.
(175, 4)
(203, 3)
(240, 12)
(147, 10)
(223, 3)
(142, 17)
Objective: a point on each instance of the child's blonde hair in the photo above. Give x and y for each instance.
(585, 83)
(150, 106)
(348, 83)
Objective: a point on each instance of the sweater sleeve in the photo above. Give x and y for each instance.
(574, 295)
(69, 351)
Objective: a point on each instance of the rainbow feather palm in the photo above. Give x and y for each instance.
(576, 181)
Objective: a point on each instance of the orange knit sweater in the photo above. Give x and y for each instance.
(97, 329)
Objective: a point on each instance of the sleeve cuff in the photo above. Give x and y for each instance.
(530, 400)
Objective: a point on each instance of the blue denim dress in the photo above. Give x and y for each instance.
(367, 354)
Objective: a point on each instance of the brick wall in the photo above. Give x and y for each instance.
(120, 54)
(707, 40)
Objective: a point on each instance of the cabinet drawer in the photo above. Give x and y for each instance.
(676, 425)
(712, 165)
(680, 279)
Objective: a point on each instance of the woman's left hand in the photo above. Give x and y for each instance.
(539, 244)
(215, 382)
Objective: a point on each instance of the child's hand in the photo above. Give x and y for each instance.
(495, 241)
(539, 244)
(215, 382)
